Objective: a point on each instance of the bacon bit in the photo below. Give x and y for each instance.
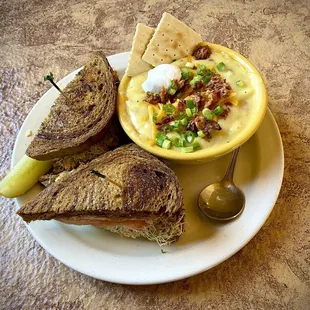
(212, 100)
(199, 99)
(202, 52)
(191, 126)
(181, 105)
(226, 111)
(196, 98)
(200, 122)
(219, 86)
(225, 91)
(163, 95)
(164, 121)
(180, 84)
(198, 85)
(173, 98)
(209, 126)
(152, 98)
(167, 119)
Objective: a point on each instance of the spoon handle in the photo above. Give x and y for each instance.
(231, 167)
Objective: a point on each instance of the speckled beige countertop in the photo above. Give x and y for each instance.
(273, 270)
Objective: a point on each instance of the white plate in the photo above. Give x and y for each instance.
(107, 256)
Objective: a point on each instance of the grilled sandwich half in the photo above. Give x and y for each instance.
(82, 116)
(127, 191)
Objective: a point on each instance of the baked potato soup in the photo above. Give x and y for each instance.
(194, 103)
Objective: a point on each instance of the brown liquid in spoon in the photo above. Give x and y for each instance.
(223, 200)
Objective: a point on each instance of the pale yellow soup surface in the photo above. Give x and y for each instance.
(237, 120)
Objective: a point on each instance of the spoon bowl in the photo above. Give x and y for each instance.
(223, 201)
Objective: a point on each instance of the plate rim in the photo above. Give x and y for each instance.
(177, 276)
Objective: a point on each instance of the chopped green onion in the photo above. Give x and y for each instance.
(172, 89)
(190, 103)
(218, 110)
(160, 138)
(187, 149)
(206, 79)
(155, 117)
(209, 72)
(177, 142)
(221, 66)
(194, 110)
(182, 115)
(176, 124)
(188, 112)
(207, 76)
(202, 70)
(168, 128)
(169, 108)
(166, 144)
(196, 79)
(186, 74)
(208, 114)
(189, 137)
(189, 65)
(184, 121)
(200, 134)
(196, 146)
(240, 83)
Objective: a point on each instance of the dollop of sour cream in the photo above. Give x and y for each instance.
(160, 76)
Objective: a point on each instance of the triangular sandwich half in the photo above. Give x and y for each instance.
(81, 116)
(127, 191)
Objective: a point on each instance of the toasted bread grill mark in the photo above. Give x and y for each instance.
(72, 126)
(148, 188)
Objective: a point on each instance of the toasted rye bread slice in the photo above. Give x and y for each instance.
(114, 138)
(172, 40)
(141, 39)
(74, 125)
(142, 187)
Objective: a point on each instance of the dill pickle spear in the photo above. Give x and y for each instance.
(24, 175)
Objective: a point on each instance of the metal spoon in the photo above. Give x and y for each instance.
(224, 200)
